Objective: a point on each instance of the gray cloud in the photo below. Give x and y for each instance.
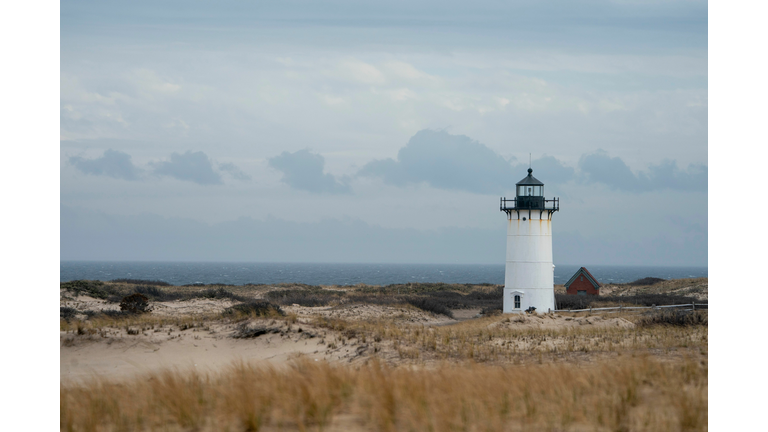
(444, 161)
(234, 171)
(190, 166)
(304, 170)
(599, 167)
(448, 161)
(457, 162)
(113, 164)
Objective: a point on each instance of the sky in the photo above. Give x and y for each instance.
(381, 131)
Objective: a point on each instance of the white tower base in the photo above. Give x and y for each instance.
(529, 272)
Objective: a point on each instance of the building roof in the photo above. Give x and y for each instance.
(585, 272)
(530, 180)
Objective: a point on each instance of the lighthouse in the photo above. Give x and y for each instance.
(529, 274)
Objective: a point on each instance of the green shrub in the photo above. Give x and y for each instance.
(429, 305)
(257, 308)
(647, 281)
(94, 289)
(570, 301)
(135, 304)
(67, 313)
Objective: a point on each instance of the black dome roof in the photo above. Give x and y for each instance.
(530, 180)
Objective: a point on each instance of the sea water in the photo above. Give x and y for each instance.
(235, 273)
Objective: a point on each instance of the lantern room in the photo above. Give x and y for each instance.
(530, 192)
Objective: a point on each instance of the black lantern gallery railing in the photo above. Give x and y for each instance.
(529, 203)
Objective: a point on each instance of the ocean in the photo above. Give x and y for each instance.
(237, 273)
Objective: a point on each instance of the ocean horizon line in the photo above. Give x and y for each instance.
(243, 273)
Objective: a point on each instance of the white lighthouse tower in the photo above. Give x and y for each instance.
(529, 275)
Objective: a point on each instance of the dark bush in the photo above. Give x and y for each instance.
(245, 331)
(142, 282)
(114, 298)
(382, 300)
(67, 313)
(647, 281)
(95, 289)
(258, 308)
(441, 299)
(474, 299)
(309, 297)
(568, 301)
(220, 293)
(429, 305)
(156, 294)
(92, 313)
(135, 304)
(447, 295)
(494, 295)
(674, 318)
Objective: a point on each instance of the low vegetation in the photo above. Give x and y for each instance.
(436, 298)
(135, 303)
(566, 301)
(647, 370)
(254, 309)
(675, 318)
(647, 281)
(114, 291)
(634, 394)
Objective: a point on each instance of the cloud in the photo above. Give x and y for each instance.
(599, 167)
(304, 170)
(190, 166)
(444, 161)
(457, 162)
(113, 164)
(234, 171)
(668, 175)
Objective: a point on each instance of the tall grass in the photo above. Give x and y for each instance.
(637, 394)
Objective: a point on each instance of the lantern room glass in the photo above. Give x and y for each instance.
(536, 191)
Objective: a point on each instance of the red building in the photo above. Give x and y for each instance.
(582, 283)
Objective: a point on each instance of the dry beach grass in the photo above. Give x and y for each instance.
(634, 394)
(367, 363)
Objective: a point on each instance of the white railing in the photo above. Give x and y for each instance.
(692, 306)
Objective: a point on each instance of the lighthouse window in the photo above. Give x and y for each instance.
(530, 190)
(517, 302)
